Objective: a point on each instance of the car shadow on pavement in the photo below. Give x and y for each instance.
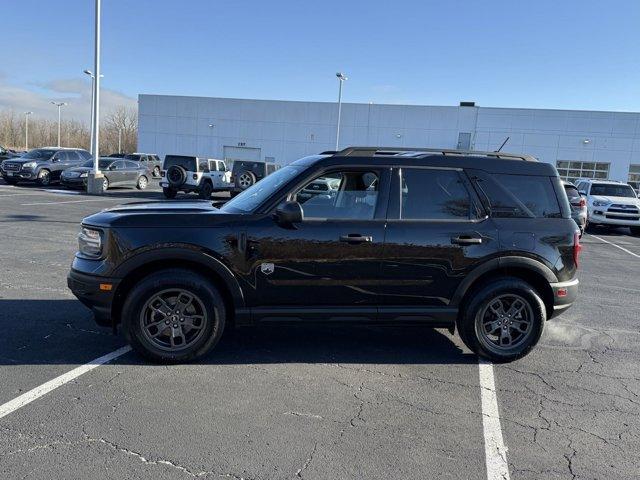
(62, 332)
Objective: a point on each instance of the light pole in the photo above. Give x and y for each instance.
(95, 178)
(59, 105)
(341, 79)
(119, 140)
(26, 130)
(93, 106)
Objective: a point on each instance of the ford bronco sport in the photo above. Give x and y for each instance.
(479, 242)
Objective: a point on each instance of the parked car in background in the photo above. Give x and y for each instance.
(578, 205)
(611, 204)
(184, 173)
(245, 173)
(480, 242)
(150, 160)
(8, 153)
(117, 173)
(323, 186)
(42, 165)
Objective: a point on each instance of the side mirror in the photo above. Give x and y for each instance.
(289, 213)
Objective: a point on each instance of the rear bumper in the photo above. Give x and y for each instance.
(564, 294)
(91, 291)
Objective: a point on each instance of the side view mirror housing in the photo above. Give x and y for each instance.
(289, 213)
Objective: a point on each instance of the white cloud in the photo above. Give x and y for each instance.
(76, 92)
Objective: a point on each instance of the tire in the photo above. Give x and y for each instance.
(169, 192)
(143, 309)
(105, 184)
(206, 190)
(156, 171)
(142, 182)
(245, 180)
(480, 313)
(176, 176)
(44, 178)
(635, 231)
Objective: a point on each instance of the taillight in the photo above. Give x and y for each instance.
(577, 248)
(583, 202)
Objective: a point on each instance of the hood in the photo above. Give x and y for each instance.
(177, 214)
(613, 199)
(78, 169)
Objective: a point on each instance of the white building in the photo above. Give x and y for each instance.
(579, 143)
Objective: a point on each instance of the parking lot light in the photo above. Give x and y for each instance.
(95, 180)
(93, 106)
(59, 105)
(341, 78)
(26, 130)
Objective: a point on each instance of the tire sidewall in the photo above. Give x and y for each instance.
(206, 190)
(183, 176)
(42, 174)
(476, 305)
(145, 181)
(166, 279)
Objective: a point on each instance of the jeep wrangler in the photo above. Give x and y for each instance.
(183, 173)
(478, 242)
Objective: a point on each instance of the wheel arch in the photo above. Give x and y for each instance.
(538, 275)
(152, 261)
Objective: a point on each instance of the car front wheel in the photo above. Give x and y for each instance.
(142, 182)
(44, 177)
(503, 320)
(173, 316)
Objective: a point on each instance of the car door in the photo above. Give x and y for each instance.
(116, 174)
(130, 173)
(60, 162)
(437, 232)
(330, 261)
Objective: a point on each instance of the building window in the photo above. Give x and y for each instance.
(634, 176)
(571, 170)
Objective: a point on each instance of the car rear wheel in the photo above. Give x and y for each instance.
(206, 190)
(503, 320)
(156, 171)
(173, 316)
(246, 179)
(142, 182)
(105, 184)
(169, 192)
(44, 177)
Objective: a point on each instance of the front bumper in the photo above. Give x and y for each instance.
(75, 182)
(96, 293)
(621, 219)
(564, 294)
(22, 175)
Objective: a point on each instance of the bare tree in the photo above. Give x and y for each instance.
(43, 132)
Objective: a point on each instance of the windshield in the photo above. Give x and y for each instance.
(102, 163)
(39, 154)
(253, 196)
(612, 190)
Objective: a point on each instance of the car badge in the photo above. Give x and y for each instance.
(267, 268)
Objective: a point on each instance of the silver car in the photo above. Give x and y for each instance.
(578, 205)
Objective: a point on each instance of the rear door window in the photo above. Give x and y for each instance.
(433, 194)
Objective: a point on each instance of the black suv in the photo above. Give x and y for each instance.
(43, 165)
(481, 242)
(245, 173)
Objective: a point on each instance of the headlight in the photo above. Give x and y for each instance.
(29, 165)
(83, 175)
(90, 242)
(600, 203)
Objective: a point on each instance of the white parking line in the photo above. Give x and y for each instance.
(67, 201)
(495, 451)
(47, 387)
(617, 246)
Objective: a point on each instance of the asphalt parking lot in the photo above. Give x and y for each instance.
(311, 403)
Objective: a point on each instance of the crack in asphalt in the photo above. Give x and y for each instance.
(307, 462)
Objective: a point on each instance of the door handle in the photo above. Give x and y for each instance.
(466, 240)
(356, 238)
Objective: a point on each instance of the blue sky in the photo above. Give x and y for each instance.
(540, 54)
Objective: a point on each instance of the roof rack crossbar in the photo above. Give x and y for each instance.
(396, 151)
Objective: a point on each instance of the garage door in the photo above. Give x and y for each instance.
(241, 153)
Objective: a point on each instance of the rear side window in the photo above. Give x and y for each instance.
(572, 192)
(517, 196)
(433, 194)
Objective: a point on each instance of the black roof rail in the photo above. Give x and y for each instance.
(328, 152)
(421, 152)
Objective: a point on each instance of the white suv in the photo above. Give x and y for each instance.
(611, 203)
(184, 173)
